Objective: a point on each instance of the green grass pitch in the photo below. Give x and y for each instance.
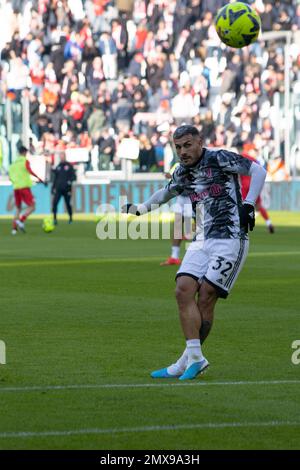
(85, 322)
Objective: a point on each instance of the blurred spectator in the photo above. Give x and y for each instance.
(96, 123)
(155, 71)
(122, 109)
(140, 36)
(37, 75)
(277, 170)
(54, 118)
(139, 102)
(93, 64)
(69, 82)
(147, 158)
(107, 148)
(50, 94)
(108, 51)
(183, 106)
(73, 48)
(18, 76)
(267, 17)
(94, 76)
(74, 110)
(137, 65)
(120, 37)
(89, 53)
(208, 126)
(34, 114)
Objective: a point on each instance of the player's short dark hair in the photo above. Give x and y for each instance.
(22, 149)
(186, 129)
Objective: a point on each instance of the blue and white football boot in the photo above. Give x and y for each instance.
(194, 370)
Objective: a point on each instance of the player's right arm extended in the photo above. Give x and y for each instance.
(157, 199)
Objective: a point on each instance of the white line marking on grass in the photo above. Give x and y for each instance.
(200, 383)
(12, 264)
(175, 427)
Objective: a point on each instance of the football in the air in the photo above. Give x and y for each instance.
(237, 24)
(48, 224)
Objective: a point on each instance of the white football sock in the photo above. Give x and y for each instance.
(20, 223)
(194, 351)
(175, 252)
(179, 366)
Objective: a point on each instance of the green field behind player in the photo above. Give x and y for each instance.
(85, 321)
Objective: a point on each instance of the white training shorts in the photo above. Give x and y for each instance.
(183, 206)
(217, 261)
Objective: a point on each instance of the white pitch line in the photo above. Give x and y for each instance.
(200, 383)
(175, 427)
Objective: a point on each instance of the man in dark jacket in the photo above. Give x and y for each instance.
(64, 175)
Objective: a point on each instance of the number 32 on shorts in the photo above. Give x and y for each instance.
(223, 266)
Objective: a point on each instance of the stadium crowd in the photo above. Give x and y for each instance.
(95, 71)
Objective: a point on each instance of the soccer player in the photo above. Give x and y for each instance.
(64, 175)
(182, 228)
(245, 184)
(213, 261)
(19, 174)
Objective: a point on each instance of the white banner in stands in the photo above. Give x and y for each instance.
(78, 154)
(129, 149)
(38, 166)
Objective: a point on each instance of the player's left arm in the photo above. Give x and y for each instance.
(235, 163)
(258, 175)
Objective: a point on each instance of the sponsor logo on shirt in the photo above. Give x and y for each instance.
(214, 190)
